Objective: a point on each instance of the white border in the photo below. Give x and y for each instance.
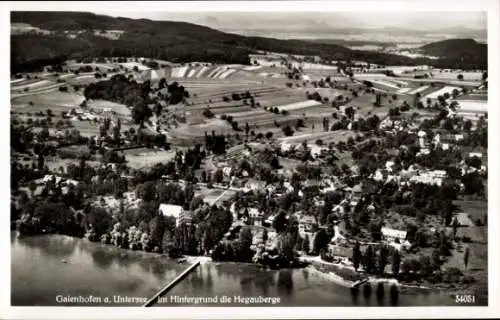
(492, 6)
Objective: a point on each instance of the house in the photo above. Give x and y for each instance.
(307, 224)
(226, 171)
(256, 216)
(389, 165)
(475, 154)
(393, 235)
(171, 210)
(185, 217)
(285, 147)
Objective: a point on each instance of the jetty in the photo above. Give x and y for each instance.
(171, 285)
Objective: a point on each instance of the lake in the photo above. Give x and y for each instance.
(55, 270)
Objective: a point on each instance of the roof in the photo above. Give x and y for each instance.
(170, 210)
(393, 233)
(307, 219)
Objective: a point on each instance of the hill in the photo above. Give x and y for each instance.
(79, 35)
(467, 51)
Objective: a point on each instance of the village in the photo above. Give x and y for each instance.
(382, 193)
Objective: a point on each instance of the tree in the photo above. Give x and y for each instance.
(320, 241)
(455, 226)
(356, 256)
(466, 257)
(349, 112)
(369, 260)
(98, 220)
(280, 222)
(306, 244)
(382, 261)
(288, 131)
(396, 261)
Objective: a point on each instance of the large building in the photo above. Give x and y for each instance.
(181, 216)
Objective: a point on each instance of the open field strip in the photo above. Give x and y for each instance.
(227, 73)
(201, 71)
(404, 90)
(245, 114)
(17, 80)
(34, 84)
(474, 96)
(403, 83)
(131, 65)
(385, 83)
(468, 76)
(229, 91)
(179, 72)
(217, 74)
(216, 107)
(233, 111)
(120, 109)
(36, 92)
(252, 68)
(417, 90)
(279, 98)
(442, 91)
(67, 75)
(86, 76)
(472, 106)
(317, 66)
(448, 82)
(215, 71)
(299, 105)
(265, 63)
(23, 82)
(370, 76)
(191, 73)
(205, 93)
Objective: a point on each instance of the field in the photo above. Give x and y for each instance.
(145, 158)
(214, 196)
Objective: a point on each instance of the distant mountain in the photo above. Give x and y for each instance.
(467, 51)
(456, 49)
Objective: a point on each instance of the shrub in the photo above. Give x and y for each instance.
(288, 131)
(208, 113)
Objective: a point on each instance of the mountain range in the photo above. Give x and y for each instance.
(171, 40)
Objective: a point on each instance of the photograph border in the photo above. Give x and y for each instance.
(493, 309)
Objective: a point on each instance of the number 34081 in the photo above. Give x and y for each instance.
(465, 298)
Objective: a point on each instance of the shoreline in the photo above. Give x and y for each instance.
(339, 275)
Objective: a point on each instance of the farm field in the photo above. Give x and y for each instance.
(214, 196)
(56, 101)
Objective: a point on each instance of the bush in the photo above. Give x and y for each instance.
(208, 113)
(288, 131)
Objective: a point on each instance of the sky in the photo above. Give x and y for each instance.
(277, 20)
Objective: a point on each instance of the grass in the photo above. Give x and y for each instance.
(144, 158)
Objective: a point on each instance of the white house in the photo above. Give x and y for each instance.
(392, 235)
(171, 210)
